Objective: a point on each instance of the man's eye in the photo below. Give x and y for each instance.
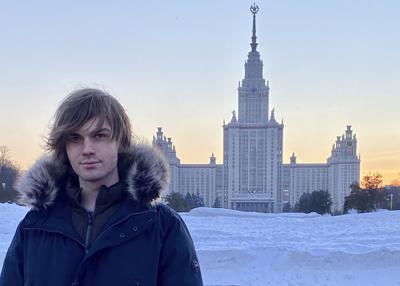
(101, 136)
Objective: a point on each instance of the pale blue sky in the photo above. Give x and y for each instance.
(176, 64)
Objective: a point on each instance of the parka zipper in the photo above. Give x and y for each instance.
(101, 234)
(88, 231)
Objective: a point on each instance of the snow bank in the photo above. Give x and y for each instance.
(253, 249)
(10, 216)
(237, 248)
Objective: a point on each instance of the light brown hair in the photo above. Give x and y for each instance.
(78, 108)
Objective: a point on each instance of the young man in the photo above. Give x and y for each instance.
(95, 219)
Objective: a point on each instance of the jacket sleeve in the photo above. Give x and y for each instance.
(178, 261)
(12, 272)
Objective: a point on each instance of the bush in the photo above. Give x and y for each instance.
(317, 201)
(182, 203)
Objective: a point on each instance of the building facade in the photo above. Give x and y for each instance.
(204, 180)
(253, 176)
(341, 169)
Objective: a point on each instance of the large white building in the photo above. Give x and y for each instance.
(335, 176)
(253, 176)
(204, 180)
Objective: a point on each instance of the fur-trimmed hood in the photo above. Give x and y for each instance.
(145, 171)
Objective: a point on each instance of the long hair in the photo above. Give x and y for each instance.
(81, 106)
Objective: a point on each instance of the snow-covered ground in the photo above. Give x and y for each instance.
(252, 249)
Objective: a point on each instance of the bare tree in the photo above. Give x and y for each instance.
(9, 172)
(4, 155)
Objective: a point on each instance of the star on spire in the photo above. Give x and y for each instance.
(254, 9)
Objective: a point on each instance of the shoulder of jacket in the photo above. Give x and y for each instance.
(33, 217)
(169, 218)
(167, 212)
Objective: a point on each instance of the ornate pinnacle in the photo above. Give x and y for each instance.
(254, 9)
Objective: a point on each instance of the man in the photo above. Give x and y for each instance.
(95, 218)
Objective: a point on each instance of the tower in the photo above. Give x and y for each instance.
(253, 92)
(253, 143)
(166, 146)
(343, 168)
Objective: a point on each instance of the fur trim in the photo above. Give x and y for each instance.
(148, 173)
(145, 171)
(38, 187)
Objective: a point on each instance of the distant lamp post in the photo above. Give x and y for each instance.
(252, 192)
(391, 201)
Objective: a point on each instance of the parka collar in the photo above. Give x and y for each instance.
(144, 170)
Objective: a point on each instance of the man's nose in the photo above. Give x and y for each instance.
(88, 147)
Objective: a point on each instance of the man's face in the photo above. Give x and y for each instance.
(93, 154)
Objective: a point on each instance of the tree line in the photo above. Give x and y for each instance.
(371, 195)
(367, 197)
(9, 172)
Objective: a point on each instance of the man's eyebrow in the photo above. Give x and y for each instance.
(101, 129)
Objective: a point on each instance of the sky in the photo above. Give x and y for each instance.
(177, 64)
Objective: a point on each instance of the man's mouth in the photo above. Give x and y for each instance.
(89, 163)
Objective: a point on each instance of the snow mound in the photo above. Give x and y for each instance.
(206, 212)
(255, 249)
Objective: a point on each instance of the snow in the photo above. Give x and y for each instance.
(253, 249)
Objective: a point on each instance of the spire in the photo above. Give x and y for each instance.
(253, 66)
(212, 159)
(234, 119)
(253, 92)
(272, 118)
(293, 159)
(254, 9)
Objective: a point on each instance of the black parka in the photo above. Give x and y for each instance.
(143, 243)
